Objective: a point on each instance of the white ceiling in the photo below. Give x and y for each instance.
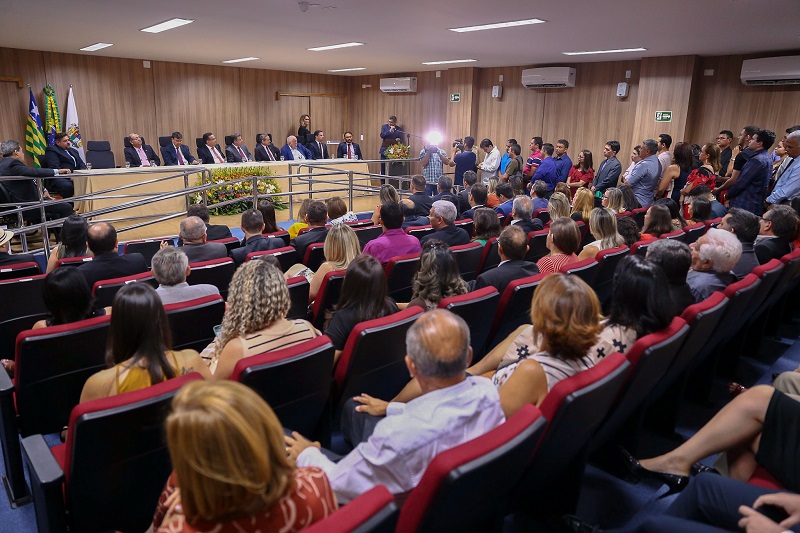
(400, 34)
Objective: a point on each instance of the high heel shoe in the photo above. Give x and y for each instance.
(675, 482)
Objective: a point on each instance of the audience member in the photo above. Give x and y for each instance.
(778, 229)
(699, 210)
(107, 263)
(364, 297)
(255, 321)
(139, 154)
(67, 298)
(629, 197)
(563, 188)
(411, 219)
(491, 196)
(465, 160)
(470, 179)
(300, 222)
(664, 157)
(713, 257)
(644, 176)
(240, 479)
(444, 187)
(603, 226)
(675, 260)
(254, 240)
(745, 225)
(539, 195)
(517, 185)
(534, 159)
(547, 171)
(505, 193)
(706, 174)
(787, 177)
(6, 257)
(657, 222)
(514, 165)
(563, 242)
(582, 205)
(73, 241)
(674, 178)
(316, 216)
(749, 191)
(442, 217)
(486, 225)
(387, 193)
(562, 161)
(170, 268)
(393, 241)
(267, 209)
(506, 158)
(636, 158)
(211, 153)
(340, 248)
(477, 199)
(139, 349)
(678, 222)
(195, 245)
(512, 247)
(433, 160)
(438, 276)
(612, 199)
(488, 168)
(581, 174)
(724, 140)
(628, 230)
(522, 213)
(214, 232)
(337, 211)
(609, 171)
(177, 153)
(717, 209)
(422, 200)
(558, 206)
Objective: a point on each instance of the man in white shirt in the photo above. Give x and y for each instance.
(454, 408)
(492, 161)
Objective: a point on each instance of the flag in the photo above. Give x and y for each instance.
(51, 115)
(34, 138)
(71, 126)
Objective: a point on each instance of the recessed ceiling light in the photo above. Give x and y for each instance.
(241, 59)
(334, 46)
(619, 51)
(449, 62)
(347, 69)
(498, 25)
(95, 47)
(167, 25)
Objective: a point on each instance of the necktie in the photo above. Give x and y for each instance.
(270, 154)
(320, 149)
(181, 160)
(244, 157)
(217, 155)
(349, 151)
(143, 158)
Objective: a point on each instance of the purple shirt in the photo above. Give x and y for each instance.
(392, 243)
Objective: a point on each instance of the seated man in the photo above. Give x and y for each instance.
(506, 196)
(393, 241)
(512, 247)
(675, 259)
(6, 258)
(477, 196)
(411, 219)
(403, 443)
(292, 151)
(107, 263)
(316, 217)
(266, 151)
(713, 256)
(254, 241)
(237, 152)
(139, 154)
(214, 232)
(745, 226)
(444, 187)
(177, 153)
(210, 153)
(195, 247)
(63, 156)
(778, 230)
(170, 268)
(443, 216)
(521, 215)
(422, 200)
(539, 195)
(470, 179)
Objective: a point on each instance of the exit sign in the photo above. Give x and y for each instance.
(663, 116)
(455, 97)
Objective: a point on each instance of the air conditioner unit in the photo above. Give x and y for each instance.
(548, 77)
(771, 71)
(399, 85)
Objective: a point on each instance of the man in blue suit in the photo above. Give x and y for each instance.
(608, 173)
(176, 153)
(348, 149)
(292, 151)
(62, 155)
(317, 147)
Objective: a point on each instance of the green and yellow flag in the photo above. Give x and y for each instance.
(34, 138)
(51, 115)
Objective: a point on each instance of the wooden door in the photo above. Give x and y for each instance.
(327, 114)
(289, 117)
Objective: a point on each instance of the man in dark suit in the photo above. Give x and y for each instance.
(410, 218)
(444, 188)
(254, 241)
(292, 150)
(214, 232)
(422, 200)
(62, 155)
(512, 247)
(266, 151)
(470, 179)
(443, 215)
(13, 164)
(316, 216)
(317, 147)
(6, 258)
(348, 149)
(608, 173)
(193, 236)
(107, 263)
(176, 153)
(477, 197)
(521, 213)
(237, 152)
(778, 230)
(210, 153)
(139, 154)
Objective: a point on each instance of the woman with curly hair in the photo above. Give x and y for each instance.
(255, 321)
(438, 276)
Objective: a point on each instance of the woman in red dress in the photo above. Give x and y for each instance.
(581, 174)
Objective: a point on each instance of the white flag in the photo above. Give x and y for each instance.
(71, 125)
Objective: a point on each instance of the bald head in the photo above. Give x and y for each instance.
(101, 238)
(438, 344)
(193, 229)
(513, 243)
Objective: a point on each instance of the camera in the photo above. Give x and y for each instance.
(459, 144)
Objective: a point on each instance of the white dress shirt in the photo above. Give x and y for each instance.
(406, 441)
(490, 164)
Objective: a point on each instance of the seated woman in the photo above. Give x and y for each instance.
(387, 193)
(240, 480)
(629, 198)
(563, 241)
(491, 197)
(337, 211)
(678, 222)
(603, 225)
(255, 319)
(73, 241)
(438, 277)
(295, 228)
(582, 205)
(562, 188)
(612, 199)
(558, 207)
(657, 222)
(628, 230)
(699, 210)
(267, 209)
(139, 349)
(364, 297)
(68, 298)
(486, 225)
(340, 248)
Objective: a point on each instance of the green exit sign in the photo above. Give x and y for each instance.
(663, 116)
(455, 97)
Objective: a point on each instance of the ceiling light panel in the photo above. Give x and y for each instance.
(498, 25)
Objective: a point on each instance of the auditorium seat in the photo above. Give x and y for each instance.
(694, 232)
(315, 255)
(164, 141)
(146, 247)
(584, 229)
(228, 140)
(713, 223)
(623, 214)
(468, 257)
(327, 296)
(677, 235)
(287, 256)
(513, 308)
(26, 295)
(467, 488)
(640, 247)
(99, 154)
(299, 288)
(375, 511)
(467, 224)
(199, 142)
(12, 220)
(295, 382)
(373, 359)
(399, 272)
(585, 269)
(491, 257)
(19, 270)
(9, 329)
(192, 322)
(283, 234)
(216, 272)
(231, 243)
(420, 231)
(360, 223)
(52, 365)
(543, 215)
(367, 233)
(74, 261)
(475, 308)
(604, 280)
(110, 472)
(105, 290)
(574, 408)
(537, 245)
(638, 216)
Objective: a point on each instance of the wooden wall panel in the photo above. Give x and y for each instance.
(28, 65)
(261, 112)
(722, 102)
(462, 117)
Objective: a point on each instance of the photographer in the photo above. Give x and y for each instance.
(433, 161)
(464, 158)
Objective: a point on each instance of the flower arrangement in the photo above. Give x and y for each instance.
(227, 191)
(397, 151)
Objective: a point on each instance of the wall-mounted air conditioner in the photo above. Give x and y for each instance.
(548, 77)
(771, 71)
(399, 85)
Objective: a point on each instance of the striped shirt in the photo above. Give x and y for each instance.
(278, 336)
(551, 263)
